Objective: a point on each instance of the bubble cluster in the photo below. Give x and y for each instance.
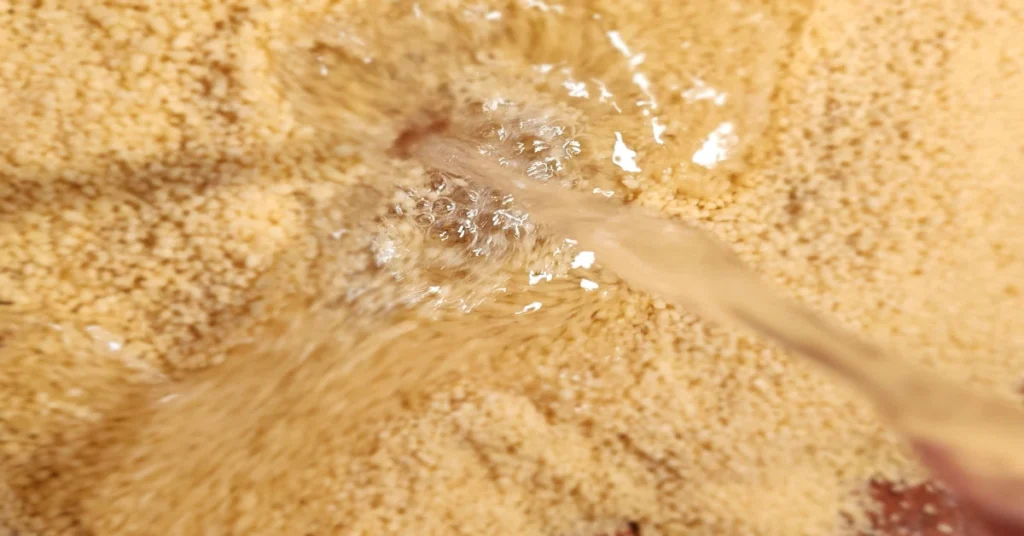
(465, 240)
(479, 221)
(540, 146)
(451, 211)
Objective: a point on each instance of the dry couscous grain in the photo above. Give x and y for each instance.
(165, 217)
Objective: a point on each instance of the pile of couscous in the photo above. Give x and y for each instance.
(212, 320)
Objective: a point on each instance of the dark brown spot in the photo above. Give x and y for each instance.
(923, 510)
(402, 148)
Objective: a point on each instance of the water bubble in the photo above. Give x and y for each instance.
(424, 220)
(423, 205)
(443, 206)
(439, 182)
(465, 196)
